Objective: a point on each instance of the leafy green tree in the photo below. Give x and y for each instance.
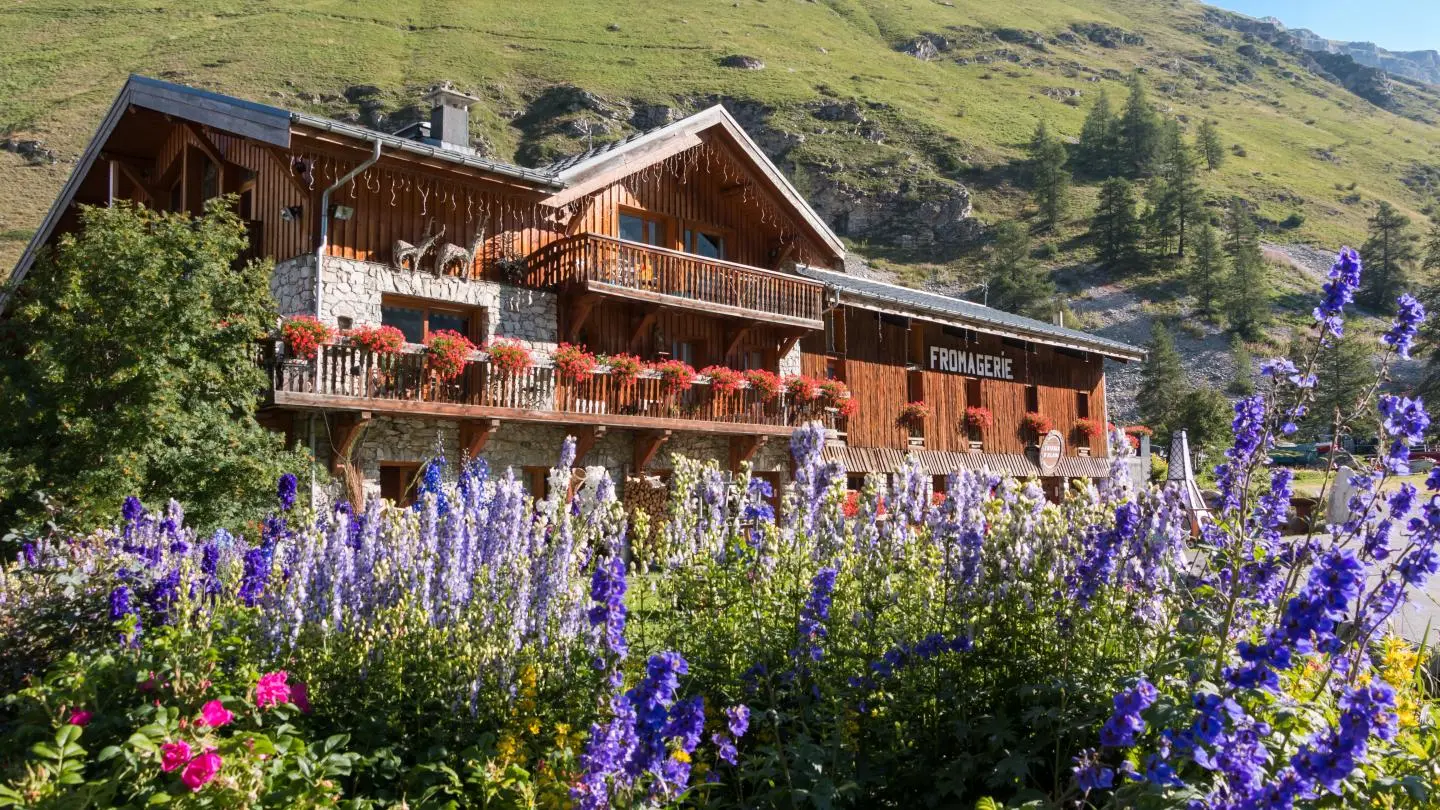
(1017, 282)
(1344, 371)
(1181, 188)
(1205, 414)
(1243, 383)
(1247, 299)
(1162, 383)
(1139, 130)
(1116, 229)
(1387, 254)
(1049, 178)
(1207, 268)
(1098, 153)
(130, 371)
(1207, 143)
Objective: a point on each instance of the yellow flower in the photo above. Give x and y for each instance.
(533, 726)
(507, 746)
(680, 756)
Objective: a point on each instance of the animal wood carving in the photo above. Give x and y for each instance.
(404, 252)
(453, 254)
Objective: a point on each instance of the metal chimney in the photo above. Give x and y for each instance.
(450, 116)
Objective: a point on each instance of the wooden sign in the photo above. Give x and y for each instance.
(1052, 447)
(971, 364)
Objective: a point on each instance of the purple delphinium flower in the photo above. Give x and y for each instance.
(1091, 774)
(1409, 315)
(1125, 723)
(1339, 292)
(1251, 443)
(607, 589)
(1405, 421)
(813, 616)
(285, 490)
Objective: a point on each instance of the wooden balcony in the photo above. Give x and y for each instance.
(344, 377)
(602, 264)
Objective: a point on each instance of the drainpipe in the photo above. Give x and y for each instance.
(325, 223)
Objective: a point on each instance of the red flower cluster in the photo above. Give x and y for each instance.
(977, 418)
(1087, 429)
(574, 363)
(723, 380)
(767, 384)
(833, 392)
(382, 340)
(801, 389)
(677, 375)
(508, 356)
(625, 367)
(447, 352)
(1037, 423)
(913, 414)
(304, 335)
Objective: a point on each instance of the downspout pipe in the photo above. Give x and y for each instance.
(324, 241)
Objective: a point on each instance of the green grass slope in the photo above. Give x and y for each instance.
(960, 118)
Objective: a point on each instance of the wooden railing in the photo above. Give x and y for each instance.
(644, 268)
(342, 370)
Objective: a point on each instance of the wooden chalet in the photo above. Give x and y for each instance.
(683, 243)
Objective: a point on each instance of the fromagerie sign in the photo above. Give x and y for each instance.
(970, 364)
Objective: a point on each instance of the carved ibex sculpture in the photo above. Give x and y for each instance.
(403, 251)
(451, 253)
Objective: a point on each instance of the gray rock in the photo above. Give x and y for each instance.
(742, 62)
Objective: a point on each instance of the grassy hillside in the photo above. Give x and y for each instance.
(953, 123)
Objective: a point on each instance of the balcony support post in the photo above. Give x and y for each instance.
(744, 448)
(474, 435)
(738, 334)
(586, 437)
(787, 343)
(642, 329)
(647, 444)
(578, 311)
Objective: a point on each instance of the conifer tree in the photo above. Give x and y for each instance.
(1162, 382)
(1116, 229)
(1207, 143)
(1182, 197)
(1429, 294)
(1242, 384)
(1139, 130)
(1159, 218)
(1247, 301)
(1207, 268)
(1018, 283)
(1344, 370)
(1049, 178)
(1387, 254)
(1097, 154)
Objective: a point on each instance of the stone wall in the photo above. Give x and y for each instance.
(353, 289)
(292, 283)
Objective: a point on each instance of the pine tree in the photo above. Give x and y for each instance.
(1429, 294)
(1017, 282)
(1205, 414)
(1115, 228)
(1160, 218)
(1207, 268)
(1139, 131)
(1387, 255)
(1177, 166)
(1048, 176)
(1344, 371)
(1247, 301)
(1097, 154)
(1207, 143)
(1242, 384)
(1162, 383)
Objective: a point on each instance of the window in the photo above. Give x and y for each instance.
(419, 319)
(1032, 398)
(972, 393)
(209, 181)
(709, 245)
(396, 480)
(1082, 405)
(636, 227)
(683, 350)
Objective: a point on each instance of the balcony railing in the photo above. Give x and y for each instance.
(366, 380)
(630, 266)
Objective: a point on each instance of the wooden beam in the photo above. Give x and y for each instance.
(639, 334)
(344, 436)
(788, 343)
(585, 438)
(136, 174)
(203, 142)
(707, 307)
(474, 435)
(282, 160)
(733, 339)
(647, 444)
(743, 448)
(786, 251)
(578, 312)
(631, 163)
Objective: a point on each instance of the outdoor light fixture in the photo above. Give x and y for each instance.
(342, 211)
(291, 213)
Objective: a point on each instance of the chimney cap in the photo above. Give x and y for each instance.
(445, 94)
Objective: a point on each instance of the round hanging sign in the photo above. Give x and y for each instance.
(1052, 447)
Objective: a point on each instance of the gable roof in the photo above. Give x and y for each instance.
(603, 165)
(967, 314)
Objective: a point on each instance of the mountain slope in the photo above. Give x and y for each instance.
(902, 119)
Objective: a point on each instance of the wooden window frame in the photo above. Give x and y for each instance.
(665, 224)
(1082, 404)
(1032, 398)
(476, 314)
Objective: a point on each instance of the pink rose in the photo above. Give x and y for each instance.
(174, 755)
(201, 769)
(300, 696)
(80, 717)
(272, 689)
(215, 715)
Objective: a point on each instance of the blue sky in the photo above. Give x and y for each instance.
(1400, 25)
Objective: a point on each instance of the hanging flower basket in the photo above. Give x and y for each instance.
(767, 384)
(509, 357)
(573, 362)
(625, 367)
(446, 352)
(384, 341)
(912, 416)
(677, 375)
(723, 380)
(977, 419)
(1086, 429)
(304, 335)
(833, 392)
(1037, 424)
(801, 390)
